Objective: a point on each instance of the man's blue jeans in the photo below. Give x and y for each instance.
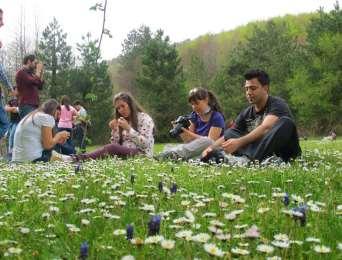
(11, 132)
(4, 124)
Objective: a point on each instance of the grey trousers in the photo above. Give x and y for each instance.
(190, 150)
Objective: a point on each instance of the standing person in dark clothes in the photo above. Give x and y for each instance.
(29, 81)
(12, 108)
(263, 129)
(4, 124)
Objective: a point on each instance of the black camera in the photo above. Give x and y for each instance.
(180, 122)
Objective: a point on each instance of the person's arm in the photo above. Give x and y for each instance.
(11, 109)
(50, 141)
(189, 134)
(215, 133)
(113, 124)
(31, 79)
(233, 144)
(4, 78)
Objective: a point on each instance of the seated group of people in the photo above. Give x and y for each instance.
(264, 129)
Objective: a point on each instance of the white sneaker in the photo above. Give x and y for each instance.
(60, 157)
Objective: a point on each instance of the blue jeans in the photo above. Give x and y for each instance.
(68, 147)
(11, 132)
(4, 124)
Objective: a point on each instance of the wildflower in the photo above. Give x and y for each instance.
(119, 232)
(321, 249)
(129, 232)
(173, 188)
(339, 246)
(286, 199)
(265, 248)
(168, 244)
(84, 250)
(239, 251)
(132, 179)
(24, 230)
(299, 213)
(13, 251)
(273, 258)
(147, 207)
(252, 232)
(128, 257)
(313, 239)
(281, 237)
(263, 210)
(160, 186)
(154, 225)
(213, 250)
(85, 222)
(215, 230)
(153, 239)
(190, 217)
(201, 237)
(137, 241)
(184, 234)
(281, 244)
(78, 168)
(223, 236)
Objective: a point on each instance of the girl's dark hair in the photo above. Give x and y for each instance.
(133, 106)
(48, 107)
(65, 100)
(196, 94)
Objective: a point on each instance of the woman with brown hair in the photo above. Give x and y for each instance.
(33, 139)
(206, 126)
(132, 132)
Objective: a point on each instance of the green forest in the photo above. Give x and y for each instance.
(302, 54)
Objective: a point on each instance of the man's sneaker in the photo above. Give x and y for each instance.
(60, 157)
(272, 160)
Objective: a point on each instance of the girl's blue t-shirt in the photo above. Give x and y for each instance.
(202, 128)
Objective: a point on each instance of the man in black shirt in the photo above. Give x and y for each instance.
(263, 129)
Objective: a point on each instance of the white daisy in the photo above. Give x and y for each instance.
(265, 248)
(168, 244)
(322, 249)
(239, 251)
(213, 250)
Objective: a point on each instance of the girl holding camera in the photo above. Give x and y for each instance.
(206, 126)
(132, 132)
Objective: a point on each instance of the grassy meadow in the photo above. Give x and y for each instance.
(65, 211)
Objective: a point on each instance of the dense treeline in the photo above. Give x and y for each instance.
(303, 55)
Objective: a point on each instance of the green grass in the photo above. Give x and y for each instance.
(29, 191)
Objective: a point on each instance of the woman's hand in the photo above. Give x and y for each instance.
(113, 124)
(61, 137)
(122, 122)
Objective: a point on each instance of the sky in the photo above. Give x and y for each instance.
(179, 19)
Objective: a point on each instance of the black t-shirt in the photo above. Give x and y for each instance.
(249, 119)
(14, 117)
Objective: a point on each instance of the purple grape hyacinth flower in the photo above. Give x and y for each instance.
(286, 199)
(154, 225)
(301, 217)
(129, 232)
(84, 250)
(132, 179)
(173, 188)
(160, 186)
